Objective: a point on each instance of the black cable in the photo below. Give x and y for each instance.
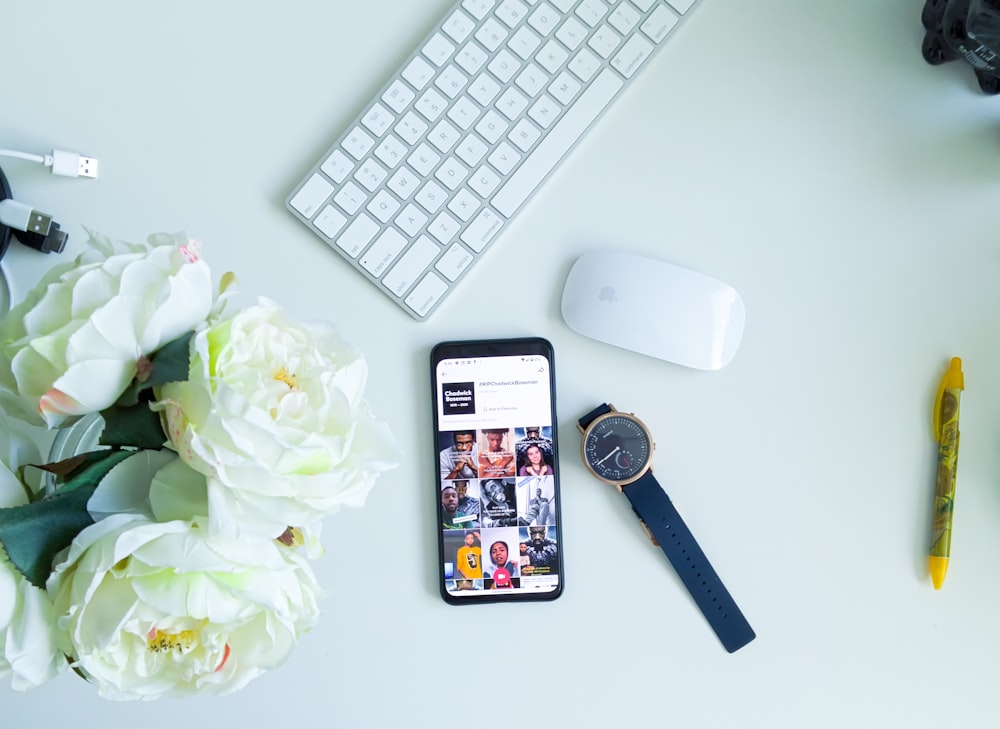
(4, 230)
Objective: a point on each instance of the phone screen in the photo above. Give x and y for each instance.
(497, 472)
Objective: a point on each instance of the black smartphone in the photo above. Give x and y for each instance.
(496, 493)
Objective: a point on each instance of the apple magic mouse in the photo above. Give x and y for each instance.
(654, 308)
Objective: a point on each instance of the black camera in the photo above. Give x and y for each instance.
(967, 29)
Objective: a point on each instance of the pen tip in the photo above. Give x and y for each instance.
(938, 568)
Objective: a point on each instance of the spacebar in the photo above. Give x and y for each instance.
(557, 142)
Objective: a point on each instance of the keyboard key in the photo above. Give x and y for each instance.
(455, 260)
(451, 81)
(383, 252)
(478, 8)
(312, 194)
(604, 41)
(585, 64)
(472, 57)
(524, 135)
(337, 166)
(511, 103)
(482, 230)
(411, 220)
(444, 228)
(383, 206)
(358, 143)
(659, 24)
(564, 88)
(458, 26)
(681, 6)
(571, 34)
(444, 136)
(438, 50)
(532, 80)
(591, 12)
(391, 151)
(411, 265)
(559, 140)
(484, 90)
(471, 150)
(492, 127)
(511, 12)
(418, 73)
(504, 158)
(524, 43)
(632, 55)
(431, 197)
(491, 35)
(378, 120)
(484, 181)
(404, 183)
(552, 56)
(350, 198)
(330, 221)
(544, 19)
(504, 66)
(371, 174)
(411, 128)
(544, 111)
(398, 96)
(464, 113)
(358, 235)
(564, 5)
(624, 18)
(431, 105)
(451, 173)
(464, 205)
(426, 294)
(644, 5)
(424, 160)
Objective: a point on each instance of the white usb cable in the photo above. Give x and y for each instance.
(66, 164)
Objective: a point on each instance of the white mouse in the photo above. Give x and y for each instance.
(654, 308)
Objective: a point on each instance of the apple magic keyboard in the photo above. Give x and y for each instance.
(479, 115)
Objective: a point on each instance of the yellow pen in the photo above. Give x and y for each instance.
(946, 407)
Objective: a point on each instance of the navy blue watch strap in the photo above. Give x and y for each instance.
(593, 414)
(652, 505)
(665, 526)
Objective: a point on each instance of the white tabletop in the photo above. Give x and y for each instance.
(802, 152)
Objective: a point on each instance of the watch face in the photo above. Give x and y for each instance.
(617, 448)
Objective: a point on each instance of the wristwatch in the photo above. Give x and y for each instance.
(618, 449)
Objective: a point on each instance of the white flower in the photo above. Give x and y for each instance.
(154, 609)
(28, 652)
(72, 345)
(274, 414)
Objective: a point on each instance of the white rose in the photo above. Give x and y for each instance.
(154, 609)
(274, 414)
(72, 345)
(28, 652)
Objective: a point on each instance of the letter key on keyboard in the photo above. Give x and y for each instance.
(458, 140)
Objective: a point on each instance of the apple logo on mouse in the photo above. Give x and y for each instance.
(608, 294)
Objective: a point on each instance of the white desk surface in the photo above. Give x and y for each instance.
(802, 152)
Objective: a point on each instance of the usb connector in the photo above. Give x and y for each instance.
(37, 228)
(63, 163)
(71, 164)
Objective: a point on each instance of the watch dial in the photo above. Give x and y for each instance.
(617, 448)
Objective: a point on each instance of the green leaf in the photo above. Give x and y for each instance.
(136, 426)
(34, 533)
(170, 363)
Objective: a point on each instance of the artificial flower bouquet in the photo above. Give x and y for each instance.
(174, 557)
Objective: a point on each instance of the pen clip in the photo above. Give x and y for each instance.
(953, 379)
